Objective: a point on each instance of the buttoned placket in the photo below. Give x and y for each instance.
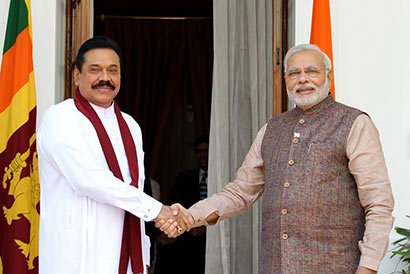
(295, 144)
(110, 122)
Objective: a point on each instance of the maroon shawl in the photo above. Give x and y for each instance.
(131, 236)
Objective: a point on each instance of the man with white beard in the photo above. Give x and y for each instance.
(327, 199)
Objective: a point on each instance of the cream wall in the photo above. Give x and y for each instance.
(48, 29)
(372, 69)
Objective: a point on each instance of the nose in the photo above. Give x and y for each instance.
(104, 75)
(303, 78)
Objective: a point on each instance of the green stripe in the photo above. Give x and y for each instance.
(16, 22)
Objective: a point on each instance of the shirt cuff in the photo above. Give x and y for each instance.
(369, 262)
(200, 211)
(150, 208)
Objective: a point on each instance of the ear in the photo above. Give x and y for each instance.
(330, 77)
(76, 74)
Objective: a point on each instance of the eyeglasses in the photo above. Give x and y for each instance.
(309, 72)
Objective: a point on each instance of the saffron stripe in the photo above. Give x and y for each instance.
(17, 113)
(17, 64)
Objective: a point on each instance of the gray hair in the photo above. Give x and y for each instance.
(306, 47)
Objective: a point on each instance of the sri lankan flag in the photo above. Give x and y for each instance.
(19, 189)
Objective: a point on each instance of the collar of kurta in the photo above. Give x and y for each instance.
(104, 113)
(131, 236)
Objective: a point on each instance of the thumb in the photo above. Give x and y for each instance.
(175, 209)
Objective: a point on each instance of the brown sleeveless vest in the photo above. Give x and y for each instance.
(312, 219)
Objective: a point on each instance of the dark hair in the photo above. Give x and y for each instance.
(200, 140)
(97, 42)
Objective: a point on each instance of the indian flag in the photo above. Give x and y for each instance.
(321, 31)
(19, 189)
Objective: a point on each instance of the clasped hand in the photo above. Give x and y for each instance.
(174, 218)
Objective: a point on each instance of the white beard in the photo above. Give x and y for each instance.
(306, 102)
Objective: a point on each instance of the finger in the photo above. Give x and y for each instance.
(181, 224)
(176, 208)
(184, 222)
(159, 223)
(189, 221)
(171, 228)
(182, 216)
(174, 234)
(166, 225)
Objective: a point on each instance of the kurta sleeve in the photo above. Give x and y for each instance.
(368, 167)
(237, 196)
(65, 147)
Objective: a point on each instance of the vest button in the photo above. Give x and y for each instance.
(295, 140)
(284, 211)
(302, 121)
(291, 162)
(285, 236)
(286, 184)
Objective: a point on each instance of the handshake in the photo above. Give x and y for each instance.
(174, 220)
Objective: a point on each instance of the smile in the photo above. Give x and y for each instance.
(305, 91)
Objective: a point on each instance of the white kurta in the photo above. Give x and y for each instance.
(82, 203)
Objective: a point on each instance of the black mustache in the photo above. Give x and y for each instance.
(102, 84)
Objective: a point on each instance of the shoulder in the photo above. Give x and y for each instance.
(60, 122)
(60, 115)
(364, 121)
(348, 109)
(63, 120)
(65, 110)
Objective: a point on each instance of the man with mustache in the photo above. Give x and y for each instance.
(93, 207)
(327, 203)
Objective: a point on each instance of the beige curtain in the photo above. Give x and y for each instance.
(241, 104)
